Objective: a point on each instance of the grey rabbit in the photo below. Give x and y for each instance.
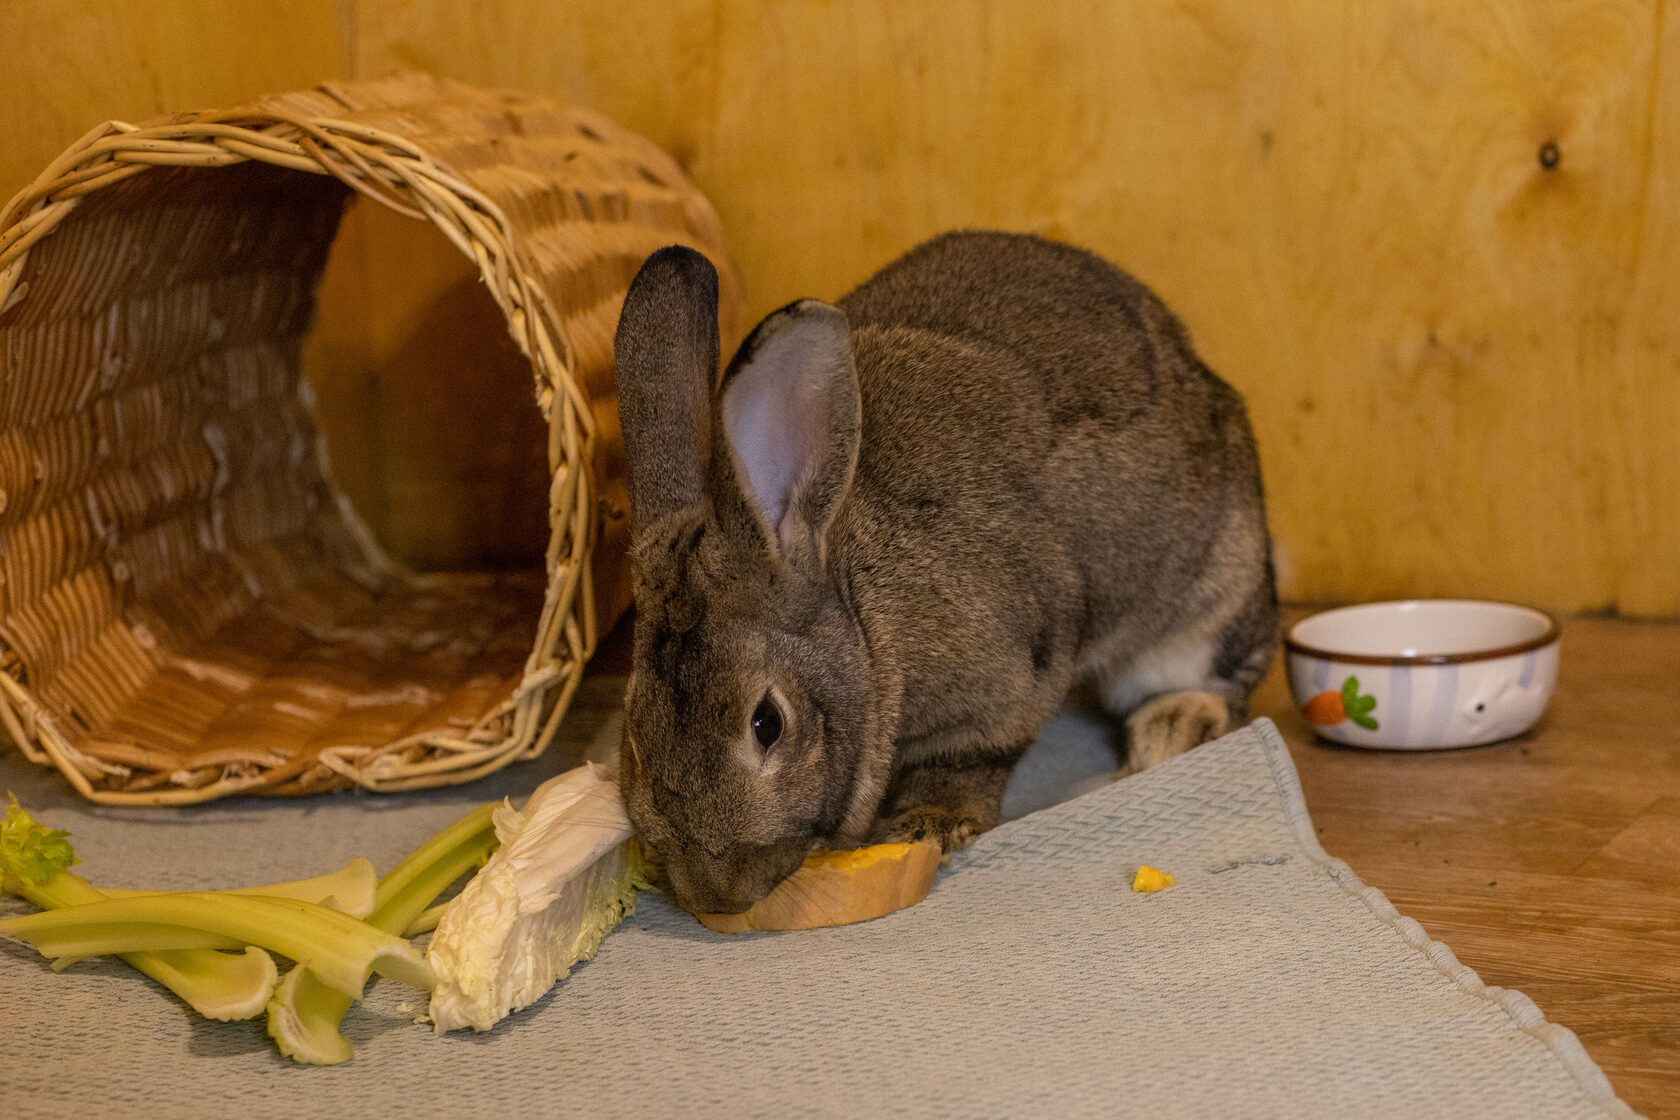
(871, 563)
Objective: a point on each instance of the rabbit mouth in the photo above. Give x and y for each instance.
(707, 885)
(707, 898)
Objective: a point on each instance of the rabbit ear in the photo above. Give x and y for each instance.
(792, 419)
(666, 353)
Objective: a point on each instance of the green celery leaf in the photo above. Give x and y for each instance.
(30, 850)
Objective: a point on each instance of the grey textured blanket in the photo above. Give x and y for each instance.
(1032, 982)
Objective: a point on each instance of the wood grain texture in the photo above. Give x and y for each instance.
(73, 64)
(1458, 376)
(648, 64)
(1463, 364)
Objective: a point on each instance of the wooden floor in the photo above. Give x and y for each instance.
(1550, 864)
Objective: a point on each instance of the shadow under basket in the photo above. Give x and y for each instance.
(189, 607)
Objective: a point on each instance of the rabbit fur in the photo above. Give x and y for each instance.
(911, 522)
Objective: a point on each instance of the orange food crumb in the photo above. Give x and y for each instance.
(1152, 879)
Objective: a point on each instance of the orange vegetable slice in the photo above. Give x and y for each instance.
(836, 888)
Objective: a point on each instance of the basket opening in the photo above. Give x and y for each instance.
(425, 402)
(185, 596)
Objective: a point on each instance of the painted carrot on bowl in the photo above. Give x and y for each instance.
(1328, 708)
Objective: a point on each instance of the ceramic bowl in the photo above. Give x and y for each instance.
(1424, 673)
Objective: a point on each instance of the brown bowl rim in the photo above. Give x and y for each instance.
(1552, 633)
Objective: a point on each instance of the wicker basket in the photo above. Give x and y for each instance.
(188, 606)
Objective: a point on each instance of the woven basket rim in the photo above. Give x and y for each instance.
(377, 164)
(398, 174)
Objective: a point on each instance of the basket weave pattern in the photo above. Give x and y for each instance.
(188, 606)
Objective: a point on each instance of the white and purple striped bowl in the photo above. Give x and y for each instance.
(1423, 673)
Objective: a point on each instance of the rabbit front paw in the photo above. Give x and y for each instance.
(953, 829)
(1169, 725)
(949, 800)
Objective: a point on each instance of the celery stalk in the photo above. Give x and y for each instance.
(303, 1018)
(225, 986)
(65, 936)
(350, 889)
(304, 1012)
(427, 921)
(412, 885)
(34, 864)
(215, 984)
(339, 949)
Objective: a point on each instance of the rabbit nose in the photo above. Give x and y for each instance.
(707, 899)
(703, 888)
(704, 884)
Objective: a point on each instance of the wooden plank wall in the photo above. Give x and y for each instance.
(1462, 354)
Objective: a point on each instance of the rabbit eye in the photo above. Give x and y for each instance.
(767, 723)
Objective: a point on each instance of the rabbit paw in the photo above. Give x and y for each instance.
(1172, 724)
(951, 801)
(954, 829)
